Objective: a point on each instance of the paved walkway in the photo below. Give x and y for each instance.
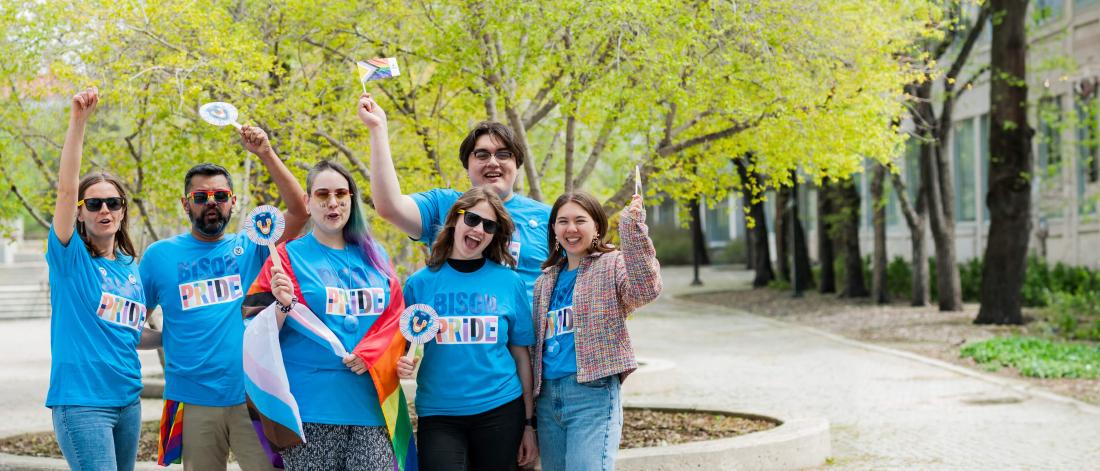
(888, 409)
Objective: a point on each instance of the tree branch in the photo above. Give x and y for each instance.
(27, 205)
(351, 155)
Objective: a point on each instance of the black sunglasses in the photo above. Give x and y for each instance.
(472, 220)
(202, 196)
(113, 203)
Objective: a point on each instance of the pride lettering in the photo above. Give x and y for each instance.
(559, 322)
(467, 330)
(197, 294)
(355, 302)
(122, 311)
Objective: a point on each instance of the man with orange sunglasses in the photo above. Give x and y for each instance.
(199, 280)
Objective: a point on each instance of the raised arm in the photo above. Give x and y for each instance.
(637, 270)
(64, 214)
(257, 142)
(397, 208)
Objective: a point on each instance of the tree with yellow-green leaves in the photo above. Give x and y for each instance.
(593, 88)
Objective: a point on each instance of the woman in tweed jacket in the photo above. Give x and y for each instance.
(582, 350)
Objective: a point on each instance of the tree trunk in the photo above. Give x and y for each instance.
(748, 245)
(940, 198)
(803, 276)
(761, 252)
(878, 210)
(854, 284)
(914, 219)
(782, 232)
(698, 241)
(826, 245)
(1009, 197)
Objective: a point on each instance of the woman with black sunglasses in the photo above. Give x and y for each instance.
(98, 312)
(474, 386)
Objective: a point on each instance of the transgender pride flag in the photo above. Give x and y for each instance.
(268, 388)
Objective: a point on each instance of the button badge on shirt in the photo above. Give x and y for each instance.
(351, 323)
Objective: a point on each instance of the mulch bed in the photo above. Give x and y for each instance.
(641, 428)
(922, 330)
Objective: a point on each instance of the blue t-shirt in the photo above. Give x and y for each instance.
(98, 314)
(467, 369)
(559, 352)
(348, 295)
(200, 287)
(528, 242)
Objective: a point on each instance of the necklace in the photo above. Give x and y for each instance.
(343, 281)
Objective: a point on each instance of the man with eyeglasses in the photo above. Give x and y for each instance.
(199, 280)
(491, 157)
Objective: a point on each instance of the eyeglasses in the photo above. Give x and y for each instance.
(113, 203)
(472, 220)
(501, 155)
(204, 196)
(323, 195)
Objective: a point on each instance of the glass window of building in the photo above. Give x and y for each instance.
(965, 191)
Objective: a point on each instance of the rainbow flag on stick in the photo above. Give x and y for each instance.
(268, 388)
(376, 69)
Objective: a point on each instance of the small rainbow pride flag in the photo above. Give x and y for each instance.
(170, 438)
(377, 69)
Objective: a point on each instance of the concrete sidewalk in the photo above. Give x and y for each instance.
(888, 409)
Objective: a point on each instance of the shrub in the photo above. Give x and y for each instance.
(899, 278)
(1076, 316)
(672, 243)
(970, 279)
(1037, 357)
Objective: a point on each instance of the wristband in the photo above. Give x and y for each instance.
(287, 307)
(532, 422)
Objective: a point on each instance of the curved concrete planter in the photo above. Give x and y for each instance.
(797, 443)
(653, 376)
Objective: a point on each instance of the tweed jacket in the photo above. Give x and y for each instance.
(609, 287)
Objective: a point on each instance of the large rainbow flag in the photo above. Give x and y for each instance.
(266, 384)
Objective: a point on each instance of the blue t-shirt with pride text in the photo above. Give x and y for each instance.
(468, 369)
(348, 295)
(199, 287)
(98, 313)
(528, 242)
(559, 352)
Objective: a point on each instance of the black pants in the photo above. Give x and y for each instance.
(488, 441)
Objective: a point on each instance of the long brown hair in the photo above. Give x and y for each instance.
(497, 250)
(590, 205)
(122, 237)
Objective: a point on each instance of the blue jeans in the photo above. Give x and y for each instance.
(98, 438)
(579, 424)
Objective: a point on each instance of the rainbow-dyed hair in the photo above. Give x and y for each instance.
(355, 231)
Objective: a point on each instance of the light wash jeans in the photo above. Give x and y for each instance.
(579, 424)
(98, 438)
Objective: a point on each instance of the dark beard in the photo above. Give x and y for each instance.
(213, 228)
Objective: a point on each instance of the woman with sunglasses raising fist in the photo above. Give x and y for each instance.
(474, 386)
(98, 312)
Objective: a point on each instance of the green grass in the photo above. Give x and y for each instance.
(1037, 358)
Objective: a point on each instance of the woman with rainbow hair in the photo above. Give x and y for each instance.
(343, 276)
